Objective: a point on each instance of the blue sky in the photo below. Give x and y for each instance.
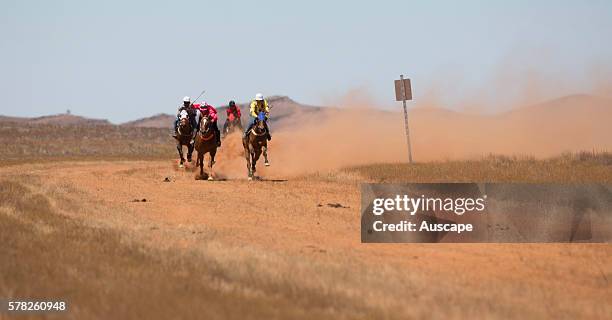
(123, 60)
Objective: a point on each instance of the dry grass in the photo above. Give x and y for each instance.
(31, 143)
(101, 272)
(568, 168)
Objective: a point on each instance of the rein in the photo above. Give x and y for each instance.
(206, 138)
(255, 133)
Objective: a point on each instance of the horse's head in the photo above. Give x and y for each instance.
(184, 120)
(205, 124)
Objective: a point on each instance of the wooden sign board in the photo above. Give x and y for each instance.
(402, 95)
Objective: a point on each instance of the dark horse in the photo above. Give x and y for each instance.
(206, 142)
(255, 143)
(183, 137)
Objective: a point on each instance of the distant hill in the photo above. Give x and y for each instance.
(58, 119)
(12, 119)
(162, 120)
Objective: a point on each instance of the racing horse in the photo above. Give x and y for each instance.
(206, 142)
(255, 143)
(183, 137)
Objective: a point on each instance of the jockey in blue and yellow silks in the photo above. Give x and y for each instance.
(259, 105)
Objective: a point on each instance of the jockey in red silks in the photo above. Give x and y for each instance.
(233, 114)
(233, 109)
(206, 110)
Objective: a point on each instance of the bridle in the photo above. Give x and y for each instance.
(204, 129)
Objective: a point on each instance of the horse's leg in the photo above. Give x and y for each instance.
(265, 154)
(247, 156)
(213, 152)
(256, 155)
(179, 147)
(251, 165)
(189, 152)
(201, 162)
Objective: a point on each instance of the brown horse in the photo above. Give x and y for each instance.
(255, 143)
(206, 142)
(183, 138)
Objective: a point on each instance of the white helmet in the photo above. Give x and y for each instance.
(259, 97)
(186, 99)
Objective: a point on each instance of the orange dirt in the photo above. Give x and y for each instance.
(290, 217)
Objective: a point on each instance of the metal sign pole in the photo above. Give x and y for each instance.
(406, 118)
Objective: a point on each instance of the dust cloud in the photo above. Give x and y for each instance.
(358, 133)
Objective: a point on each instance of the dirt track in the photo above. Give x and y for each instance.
(289, 220)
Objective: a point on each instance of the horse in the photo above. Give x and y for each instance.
(183, 137)
(206, 142)
(255, 143)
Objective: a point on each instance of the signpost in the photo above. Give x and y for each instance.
(403, 92)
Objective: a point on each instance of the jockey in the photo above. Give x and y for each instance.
(259, 105)
(191, 111)
(204, 109)
(232, 110)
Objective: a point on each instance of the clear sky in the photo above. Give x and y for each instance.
(122, 60)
